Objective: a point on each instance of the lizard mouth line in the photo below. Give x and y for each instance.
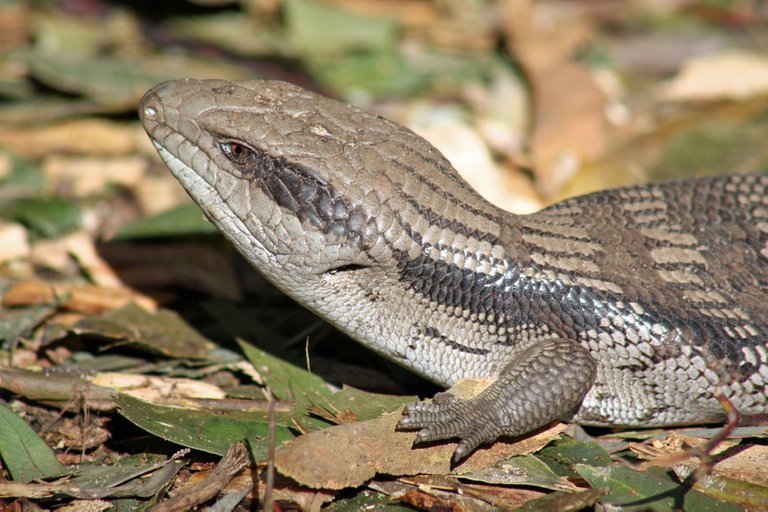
(210, 201)
(352, 267)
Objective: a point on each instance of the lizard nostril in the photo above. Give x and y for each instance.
(150, 112)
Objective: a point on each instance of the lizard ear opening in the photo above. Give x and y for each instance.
(351, 267)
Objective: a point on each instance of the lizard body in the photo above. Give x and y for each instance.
(627, 307)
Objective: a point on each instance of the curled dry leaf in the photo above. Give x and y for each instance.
(158, 388)
(86, 299)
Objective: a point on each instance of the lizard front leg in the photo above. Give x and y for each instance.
(545, 383)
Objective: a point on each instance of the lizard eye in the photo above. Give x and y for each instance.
(238, 153)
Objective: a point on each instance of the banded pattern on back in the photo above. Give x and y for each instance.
(685, 266)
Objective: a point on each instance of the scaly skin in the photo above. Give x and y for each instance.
(628, 307)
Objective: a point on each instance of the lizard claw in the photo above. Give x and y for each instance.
(448, 417)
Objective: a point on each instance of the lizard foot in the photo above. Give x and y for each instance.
(449, 417)
(545, 383)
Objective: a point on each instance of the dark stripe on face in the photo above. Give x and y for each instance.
(309, 196)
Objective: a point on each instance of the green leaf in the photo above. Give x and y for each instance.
(565, 453)
(564, 501)
(45, 217)
(141, 475)
(731, 490)
(714, 147)
(202, 429)
(287, 381)
(383, 72)
(524, 470)
(164, 332)
(185, 219)
(308, 22)
(365, 405)
(291, 383)
(235, 31)
(633, 490)
(370, 501)
(15, 323)
(391, 72)
(25, 178)
(26, 456)
(118, 82)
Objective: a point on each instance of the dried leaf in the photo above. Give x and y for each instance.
(83, 136)
(348, 455)
(81, 177)
(146, 387)
(469, 154)
(731, 75)
(13, 241)
(526, 470)
(80, 298)
(749, 465)
(569, 124)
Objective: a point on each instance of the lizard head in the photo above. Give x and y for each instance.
(302, 185)
(346, 212)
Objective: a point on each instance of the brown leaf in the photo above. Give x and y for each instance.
(165, 389)
(348, 455)
(233, 462)
(749, 465)
(156, 194)
(471, 157)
